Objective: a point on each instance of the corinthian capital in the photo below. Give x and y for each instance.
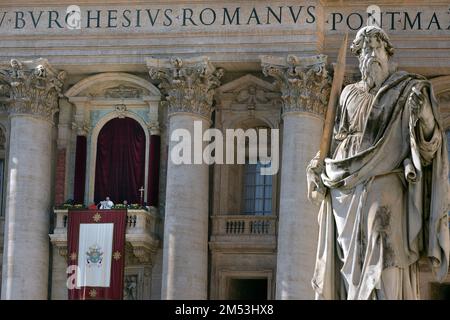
(303, 81)
(31, 87)
(189, 84)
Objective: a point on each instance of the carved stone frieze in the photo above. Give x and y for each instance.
(32, 87)
(252, 96)
(304, 82)
(123, 92)
(188, 84)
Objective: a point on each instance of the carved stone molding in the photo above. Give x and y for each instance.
(188, 84)
(60, 245)
(33, 87)
(120, 110)
(123, 92)
(304, 82)
(153, 128)
(141, 252)
(82, 128)
(252, 96)
(63, 252)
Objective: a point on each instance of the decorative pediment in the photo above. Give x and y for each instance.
(113, 85)
(247, 83)
(247, 92)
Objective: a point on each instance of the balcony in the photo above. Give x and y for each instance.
(141, 234)
(244, 232)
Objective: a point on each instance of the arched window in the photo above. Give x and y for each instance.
(120, 163)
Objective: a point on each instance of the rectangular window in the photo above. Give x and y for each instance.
(257, 191)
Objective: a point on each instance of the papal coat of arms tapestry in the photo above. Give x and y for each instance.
(96, 244)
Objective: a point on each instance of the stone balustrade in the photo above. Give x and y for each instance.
(141, 232)
(244, 225)
(246, 232)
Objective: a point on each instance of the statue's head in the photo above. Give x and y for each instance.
(373, 49)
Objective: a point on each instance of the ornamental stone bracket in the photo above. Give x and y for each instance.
(31, 87)
(143, 249)
(188, 84)
(59, 242)
(304, 82)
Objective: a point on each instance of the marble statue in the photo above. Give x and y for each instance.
(383, 190)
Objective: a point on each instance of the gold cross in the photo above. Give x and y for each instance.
(141, 190)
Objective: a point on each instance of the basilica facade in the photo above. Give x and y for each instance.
(91, 92)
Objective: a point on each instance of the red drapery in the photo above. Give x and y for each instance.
(118, 217)
(80, 170)
(120, 165)
(153, 171)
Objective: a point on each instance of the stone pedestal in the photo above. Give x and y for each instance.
(305, 86)
(33, 89)
(189, 87)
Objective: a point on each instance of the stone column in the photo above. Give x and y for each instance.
(63, 148)
(153, 154)
(33, 88)
(305, 86)
(189, 86)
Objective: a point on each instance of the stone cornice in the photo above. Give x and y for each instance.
(304, 82)
(31, 87)
(188, 84)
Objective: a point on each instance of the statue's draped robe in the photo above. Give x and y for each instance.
(388, 197)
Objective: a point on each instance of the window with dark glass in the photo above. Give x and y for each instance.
(257, 191)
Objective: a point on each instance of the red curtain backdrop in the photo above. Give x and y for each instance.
(80, 170)
(120, 165)
(118, 217)
(153, 170)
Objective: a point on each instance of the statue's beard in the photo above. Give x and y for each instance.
(373, 72)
